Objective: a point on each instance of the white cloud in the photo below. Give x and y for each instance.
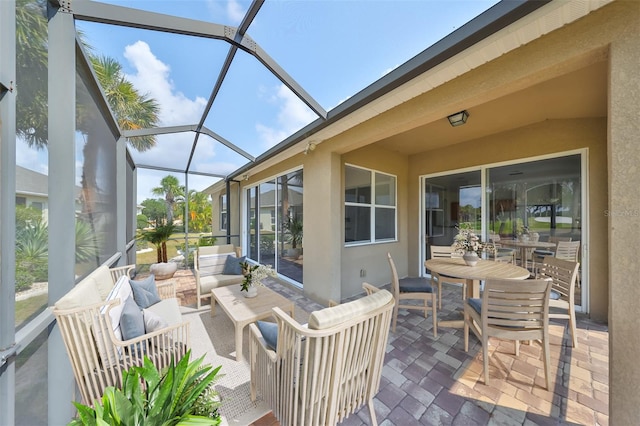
(235, 11)
(152, 76)
(293, 114)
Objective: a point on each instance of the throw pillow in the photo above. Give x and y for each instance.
(232, 265)
(269, 332)
(131, 320)
(152, 321)
(122, 290)
(145, 292)
(212, 264)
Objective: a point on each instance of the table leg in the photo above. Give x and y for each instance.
(213, 305)
(239, 331)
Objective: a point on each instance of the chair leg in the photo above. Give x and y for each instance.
(517, 343)
(426, 307)
(395, 316)
(572, 327)
(439, 295)
(372, 413)
(466, 333)
(434, 315)
(485, 360)
(547, 359)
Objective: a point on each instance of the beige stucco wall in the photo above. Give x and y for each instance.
(624, 219)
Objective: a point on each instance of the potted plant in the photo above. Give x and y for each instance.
(159, 236)
(293, 229)
(468, 244)
(253, 276)
(182, 394)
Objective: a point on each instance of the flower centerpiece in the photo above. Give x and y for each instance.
(469, 245)
(253, 276)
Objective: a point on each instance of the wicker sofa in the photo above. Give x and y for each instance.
(89, 318)
(209, 267)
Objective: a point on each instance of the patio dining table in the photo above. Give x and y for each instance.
(524, 246)
(484, 269)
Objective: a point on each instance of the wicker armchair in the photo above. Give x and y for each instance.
(320, 373)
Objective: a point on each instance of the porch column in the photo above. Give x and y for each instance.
(322, 226)
(624, 227)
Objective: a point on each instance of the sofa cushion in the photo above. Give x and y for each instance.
(152, 321)
(145, 292)
(269, 331)
(122, 291)
(168, 310)
(329, 317)
(232, 265)
(131, 320)
(212, 264)
(83, 294)
(103, 281)
(212, 281)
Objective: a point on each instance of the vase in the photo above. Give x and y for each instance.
(252, 291)
(470, 258)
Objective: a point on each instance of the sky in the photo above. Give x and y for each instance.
(332, 48)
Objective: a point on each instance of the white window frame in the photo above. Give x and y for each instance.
(372, 208)
(222, 200)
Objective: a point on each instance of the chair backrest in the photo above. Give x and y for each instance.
(511, 308)
(568, 250)
(563, 274)
(556, 240)
(395, 282)
(329, 369)
(443, 252)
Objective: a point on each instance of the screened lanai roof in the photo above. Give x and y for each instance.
(238, 82)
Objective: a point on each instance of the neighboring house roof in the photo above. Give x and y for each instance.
(30, 182)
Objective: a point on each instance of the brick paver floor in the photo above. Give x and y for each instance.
(433, 381)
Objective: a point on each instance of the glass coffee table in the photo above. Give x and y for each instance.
(244, 310)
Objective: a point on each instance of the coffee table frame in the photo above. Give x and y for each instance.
(243, 310)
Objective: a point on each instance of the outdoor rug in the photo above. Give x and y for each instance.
(214, 338)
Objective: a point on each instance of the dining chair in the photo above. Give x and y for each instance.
(412, 289)
(510, 309)
(539, 254)
(445, 252)
(563, 274)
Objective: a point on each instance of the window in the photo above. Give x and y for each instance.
(370, 206)
(223, 212)
(21, 201)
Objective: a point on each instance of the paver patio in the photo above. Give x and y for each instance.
(432, 381)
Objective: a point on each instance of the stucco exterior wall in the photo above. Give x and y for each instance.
(624, 219)
(372, 258)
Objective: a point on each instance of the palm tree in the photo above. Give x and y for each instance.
(159, 237)
(172, 191)
(200, 214)
(131, 109)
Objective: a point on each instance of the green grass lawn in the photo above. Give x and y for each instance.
(29, 308)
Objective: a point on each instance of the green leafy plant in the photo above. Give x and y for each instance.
(159, 237)
(180, 395)
(293, 228)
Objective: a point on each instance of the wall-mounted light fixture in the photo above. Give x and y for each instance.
(310, 147)
(458, 119)
(245, 176)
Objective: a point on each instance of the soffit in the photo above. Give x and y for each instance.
(579, 94)
(548, 18)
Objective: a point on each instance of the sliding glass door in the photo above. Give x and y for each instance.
(274, 235)
(543, 198)
(450, 200)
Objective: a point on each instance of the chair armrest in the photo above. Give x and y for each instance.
(166, 290)
(120, 271)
